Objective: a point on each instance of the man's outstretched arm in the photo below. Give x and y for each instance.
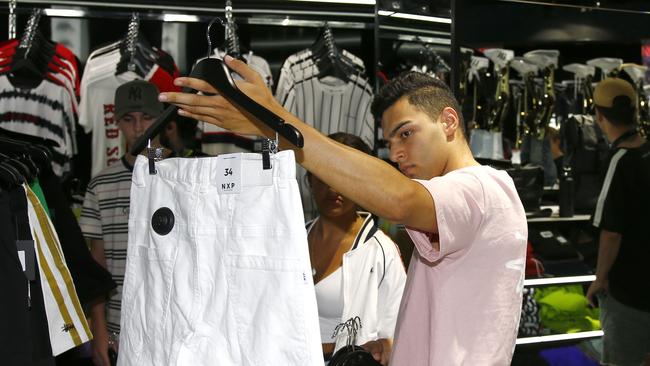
(370, 182)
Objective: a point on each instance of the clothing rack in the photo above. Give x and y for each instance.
(232, 40)
(329, 41)
(12, 19)
(30, 31)
(188, 14)
(131, 40)
(585, 8)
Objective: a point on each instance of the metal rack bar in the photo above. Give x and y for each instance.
(414, 30)
(304, 23)
(574, 218)
(194, 18)
(416, 38)
(559, 280)
(560, 337)
(185, 9)
(581, 7)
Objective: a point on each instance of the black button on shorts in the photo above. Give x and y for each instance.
(162, 221)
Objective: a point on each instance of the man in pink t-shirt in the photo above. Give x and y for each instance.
(462, 299)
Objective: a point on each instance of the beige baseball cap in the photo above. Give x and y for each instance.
(610, 89)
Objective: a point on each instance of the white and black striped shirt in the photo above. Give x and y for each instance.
(327, 103)
(105, 216)
(45, 111)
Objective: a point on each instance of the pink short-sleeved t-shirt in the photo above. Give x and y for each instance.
(461, 304)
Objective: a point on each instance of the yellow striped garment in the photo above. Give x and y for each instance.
(66, 321)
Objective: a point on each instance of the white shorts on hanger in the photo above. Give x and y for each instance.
(229, 281)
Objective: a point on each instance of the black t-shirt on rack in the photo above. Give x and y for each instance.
(624, 207)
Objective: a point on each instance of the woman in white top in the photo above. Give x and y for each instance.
(357, 269)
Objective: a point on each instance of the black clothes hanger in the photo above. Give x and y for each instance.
(30, 63)
(140, 57)
(166, 61)
(334, 67)
(34, 152)
(328, 58)
(137, 55)
(8, 179)
(27, 138)
(37, 148)
(170, 112)
(9, 176)
(318, 48)
(216, 73)
(23, 169)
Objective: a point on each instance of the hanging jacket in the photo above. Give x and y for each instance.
(373, 282)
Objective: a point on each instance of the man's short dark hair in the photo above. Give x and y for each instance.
(424, 92)
(622, 113)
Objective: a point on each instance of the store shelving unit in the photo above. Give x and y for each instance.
(554, 220)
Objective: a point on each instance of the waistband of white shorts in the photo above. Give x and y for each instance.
(205, 171)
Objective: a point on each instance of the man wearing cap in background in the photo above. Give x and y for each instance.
(623, 216)
(105, 214)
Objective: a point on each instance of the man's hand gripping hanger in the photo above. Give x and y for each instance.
(215, 72)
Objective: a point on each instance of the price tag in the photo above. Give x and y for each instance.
(27, 258)
(229, 169)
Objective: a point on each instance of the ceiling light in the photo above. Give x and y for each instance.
(66, 13)
(349, 2)
(180, 18)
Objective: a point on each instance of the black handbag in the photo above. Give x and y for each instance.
(351, 354)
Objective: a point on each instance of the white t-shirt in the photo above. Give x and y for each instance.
(97, 114)
(300, 66)
(97, 105)
(328, 104)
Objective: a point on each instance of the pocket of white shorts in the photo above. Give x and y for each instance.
(147, 289)
(266, 295)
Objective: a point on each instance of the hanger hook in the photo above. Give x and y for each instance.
(207, 32)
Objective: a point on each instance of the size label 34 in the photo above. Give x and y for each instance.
(229, 169)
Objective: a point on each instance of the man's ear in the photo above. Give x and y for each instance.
(450, 121)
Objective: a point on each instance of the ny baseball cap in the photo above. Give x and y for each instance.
(137, 96)
(614, 92)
